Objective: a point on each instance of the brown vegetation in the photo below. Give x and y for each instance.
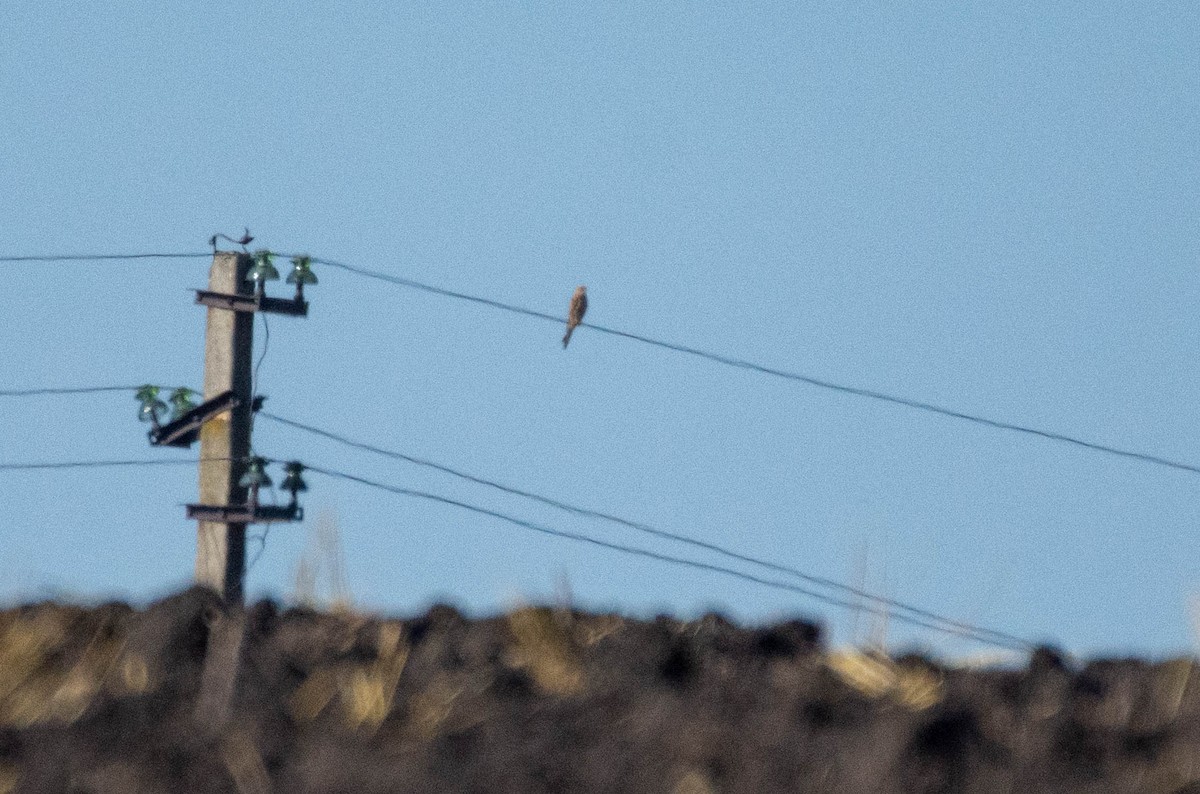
(188, 695)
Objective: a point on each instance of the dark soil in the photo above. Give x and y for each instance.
(188, 695)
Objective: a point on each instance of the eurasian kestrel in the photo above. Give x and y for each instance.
(575, 315)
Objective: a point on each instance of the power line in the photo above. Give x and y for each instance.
(719, 358)
(984, 636)
(254, 374)
(950, 623)
(67, 390)
(99, 257)
(917, 616)
(261, 537)
(405, 282)
(93, 464)
(856, 391)
(924, 616)
(934, 623)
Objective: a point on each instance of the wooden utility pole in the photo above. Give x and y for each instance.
(225, 439)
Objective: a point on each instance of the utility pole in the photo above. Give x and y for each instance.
(230, 478)
(225, 439)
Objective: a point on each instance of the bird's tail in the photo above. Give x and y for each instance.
(567, 336)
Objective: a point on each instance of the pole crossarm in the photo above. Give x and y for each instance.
(246, 514)
(184, 431)
(295, 307)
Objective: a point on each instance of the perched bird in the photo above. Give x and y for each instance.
(576, 312)
(245, 240)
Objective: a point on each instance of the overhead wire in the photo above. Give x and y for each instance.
(641, 527)
(983, 636)
(254, 375)
(99, 257)
(936, 623)
(873, 394)
(89, 464)
(821, 383)
(261, 537)
(676, 347)
(37, 392)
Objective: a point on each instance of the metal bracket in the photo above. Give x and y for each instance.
(246, 514)
(184, 431)
(296, 307)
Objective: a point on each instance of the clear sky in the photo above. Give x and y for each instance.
(988, 206)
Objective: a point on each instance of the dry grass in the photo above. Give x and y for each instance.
(364, 694)
(39, 681)
(684, 707)
(322, 561)
(429, 710)
(876, 676)
(544, 646)
(595, 628)
(1168, 690)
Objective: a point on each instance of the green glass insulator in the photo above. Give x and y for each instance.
(181, 402)
(151, 405)
(292, 481)
(263, 269)
(302, 271)
(255, 474)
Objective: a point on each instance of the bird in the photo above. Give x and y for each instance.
(245, 240)
(576, 312)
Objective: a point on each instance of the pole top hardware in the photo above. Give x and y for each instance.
(262, 271)
(246, 514)
(254, 478)
(184, 429)
(252, 303)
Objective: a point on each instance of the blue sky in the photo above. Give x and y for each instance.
(991, 207)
